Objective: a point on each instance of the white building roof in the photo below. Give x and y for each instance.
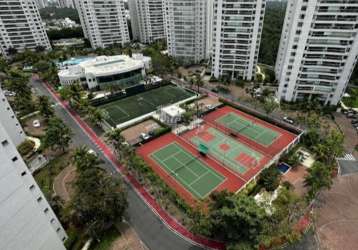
(108, 65)
(103, 66)
(173, 111)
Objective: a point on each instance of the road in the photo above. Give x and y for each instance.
(154, 234)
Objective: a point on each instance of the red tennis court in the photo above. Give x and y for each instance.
(281, 139)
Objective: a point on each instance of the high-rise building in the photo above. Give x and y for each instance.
(27, 220)
(10, 122)
(41, 4)
(147, 19)
(318, 50)
(237, 28)
(103, 22)
(188, 28)
(66, 3)
(21, 27)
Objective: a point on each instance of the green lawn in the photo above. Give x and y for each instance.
(143, 103)
(45, 176)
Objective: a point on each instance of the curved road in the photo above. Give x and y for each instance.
(154, 234)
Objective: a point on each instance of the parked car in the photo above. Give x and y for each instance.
(92, 152)
(354, 121)
(288, 120)
(36, 123)
(144, 136)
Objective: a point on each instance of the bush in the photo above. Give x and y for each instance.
(26, 147)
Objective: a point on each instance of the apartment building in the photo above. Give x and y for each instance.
(103, 22)
(66, 3)
(41, 4)
(10, 123)
(21, 27)
(188, 28)
(237, 29)
(27, 220)
(147, 19)
(318, 50)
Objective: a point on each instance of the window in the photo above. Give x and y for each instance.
(23, 173)
(4, 143)
(39, 199)
(14, 159)
(46, 210)
(32, 187)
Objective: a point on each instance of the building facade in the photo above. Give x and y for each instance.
(188, 28)
(122, 71)
(27, 220)
(147, 19)
(21, 27)
(10, 123)
(41, 4)
(103, 22)
(318, 50)
(237, 28)
(66, 3)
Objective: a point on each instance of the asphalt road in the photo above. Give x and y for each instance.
(154, 234)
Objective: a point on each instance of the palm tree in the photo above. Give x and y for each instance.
(84, 160)
(95, 115)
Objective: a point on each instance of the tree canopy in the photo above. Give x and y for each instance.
(100, 199)
(58, 135)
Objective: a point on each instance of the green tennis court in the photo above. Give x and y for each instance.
(143, 103)
(198, 178)
(228, 151)
(248, 128)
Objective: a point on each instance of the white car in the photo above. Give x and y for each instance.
(92, 152)
(144, 136)
(288, 120)
(36, 123)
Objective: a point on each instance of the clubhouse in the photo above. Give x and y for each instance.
(103, 71)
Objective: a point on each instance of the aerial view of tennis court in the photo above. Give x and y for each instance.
(211, 156)
(187, 169)
(237, 156)
(192, 175)
(255, 132)
(128, 108)
(248, 128)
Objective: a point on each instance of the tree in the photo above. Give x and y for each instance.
(84, 159)
(330, 147)
(270, 178)
(12, 51)
(293, 160)
(99, 201)
(122, 149)
(18, 82)
(95, 115)
(319, 177)
(237, 218)
(270, 105)
(45, 107)
(58, 135)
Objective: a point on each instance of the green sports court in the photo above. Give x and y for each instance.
(131, 107)
(248, 128)
(192, 173)
(228, 151)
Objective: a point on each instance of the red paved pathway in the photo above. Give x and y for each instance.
(171, 222)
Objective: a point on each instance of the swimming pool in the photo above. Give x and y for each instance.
(74, 61)
(283, 167)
